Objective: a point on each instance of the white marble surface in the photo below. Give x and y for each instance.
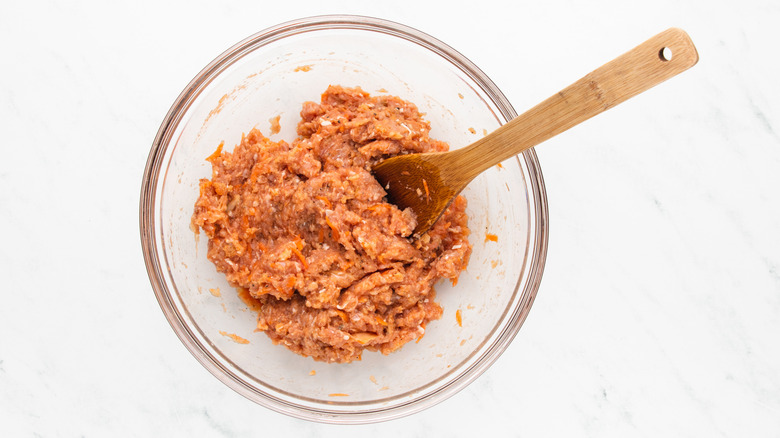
(659, 311)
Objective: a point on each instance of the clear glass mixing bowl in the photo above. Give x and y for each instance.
(271, 74)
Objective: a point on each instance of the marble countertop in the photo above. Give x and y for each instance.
(659, 310)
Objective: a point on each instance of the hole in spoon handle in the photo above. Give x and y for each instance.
(665, 54)
(661, 57)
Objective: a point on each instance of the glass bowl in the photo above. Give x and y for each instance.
(271, 74)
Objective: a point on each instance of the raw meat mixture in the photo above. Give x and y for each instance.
(304, 228)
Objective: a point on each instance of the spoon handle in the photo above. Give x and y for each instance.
(661, 57)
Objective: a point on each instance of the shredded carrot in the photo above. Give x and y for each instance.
(427, 193)
(459, 317)
(320, 235)
(338, 394)
(333, 229)
(234, 337)
(423, 333)
(217, 153)
(500, 166)
(326, 201)
(312, 372)
(364, 338)
(454, 281)
(381, 320)
(491, 237)
(342, 315)
(300, 256)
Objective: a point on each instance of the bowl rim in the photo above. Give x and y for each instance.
(538, 223)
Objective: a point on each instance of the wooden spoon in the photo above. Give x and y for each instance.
(428, 183)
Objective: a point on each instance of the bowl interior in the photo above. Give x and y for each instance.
(272, 75)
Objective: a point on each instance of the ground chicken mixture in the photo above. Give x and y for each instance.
(305, 229)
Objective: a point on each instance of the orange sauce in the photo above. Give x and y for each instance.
(250, 301)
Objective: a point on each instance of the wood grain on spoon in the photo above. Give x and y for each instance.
(427, 183)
